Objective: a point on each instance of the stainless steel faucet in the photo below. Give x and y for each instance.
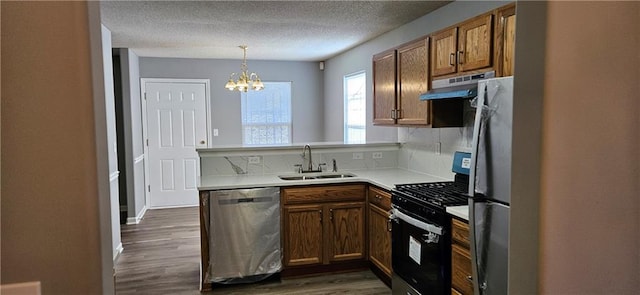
(304, 149)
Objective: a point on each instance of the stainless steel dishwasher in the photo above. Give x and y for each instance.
(244, 235)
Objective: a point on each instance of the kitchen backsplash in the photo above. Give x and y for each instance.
(425, 150)
(431, 150)
(273, 163)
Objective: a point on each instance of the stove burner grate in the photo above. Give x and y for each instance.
(441, 194)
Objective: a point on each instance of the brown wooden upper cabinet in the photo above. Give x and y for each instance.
(400, 75)
(505, 40)
(384, 87)
(463, 48)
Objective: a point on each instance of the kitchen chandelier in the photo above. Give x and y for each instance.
(245, 80)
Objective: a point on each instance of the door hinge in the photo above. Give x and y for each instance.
(147, 140)
(149, 188)
(145, 96)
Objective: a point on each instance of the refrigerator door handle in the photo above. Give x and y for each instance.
(472, 186)
(473, 248)
(482, 93)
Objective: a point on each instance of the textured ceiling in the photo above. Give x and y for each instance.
(273, 30)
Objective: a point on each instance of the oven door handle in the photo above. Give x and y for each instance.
(395, 213)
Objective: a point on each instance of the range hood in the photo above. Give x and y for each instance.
(461, 87)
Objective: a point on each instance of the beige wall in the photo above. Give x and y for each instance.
(590, 196)
(50, 211)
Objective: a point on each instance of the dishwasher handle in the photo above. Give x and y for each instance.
(237, 201)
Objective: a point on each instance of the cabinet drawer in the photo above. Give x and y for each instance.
(460, 232)
(380, 198)
(315, 194)
(461, 270)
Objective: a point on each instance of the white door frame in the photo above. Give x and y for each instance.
(143, 82)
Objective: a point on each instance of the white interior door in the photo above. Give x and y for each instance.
(176, 119)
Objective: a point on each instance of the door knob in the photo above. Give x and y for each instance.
(202, 142)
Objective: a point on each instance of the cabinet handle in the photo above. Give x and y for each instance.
(330, 214)
(452, 57)
(460, 55)
(389, 226)
(320, 211)
(393, 114)
(470, 279)
(398, 114)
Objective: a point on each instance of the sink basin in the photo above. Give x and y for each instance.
(309, 176)
(344, 175)
(301, 177)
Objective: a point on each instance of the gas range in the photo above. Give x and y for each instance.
(421, 231)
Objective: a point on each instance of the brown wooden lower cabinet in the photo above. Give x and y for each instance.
(461, 281)
(303, 235)
(321, 230)
(379, 239)
(346, 231)
(379, 232)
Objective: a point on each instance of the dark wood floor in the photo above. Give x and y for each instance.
(162, 256)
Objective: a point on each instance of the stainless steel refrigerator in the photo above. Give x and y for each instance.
(490, 186)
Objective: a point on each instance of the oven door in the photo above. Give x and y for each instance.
(420, 255)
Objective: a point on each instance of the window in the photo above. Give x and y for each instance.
(266, 115)
(355, 108)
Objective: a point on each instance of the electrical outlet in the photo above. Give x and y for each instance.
(377, 155)
(358, 156)
(254, 160)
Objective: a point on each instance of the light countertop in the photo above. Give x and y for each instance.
(459, 211)
(383, 178)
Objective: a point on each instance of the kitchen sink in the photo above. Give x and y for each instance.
(301, 177)
(310, 176)
(344, 175)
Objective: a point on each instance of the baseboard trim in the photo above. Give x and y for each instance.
(117, 251)
(114, 176)
(138, 159)
(175, 206)
(137, 219)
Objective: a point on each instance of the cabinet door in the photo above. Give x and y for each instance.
(460, 232)
(443, 52)
(379, 197)
(346, 230)
(384, 87)
(474, 43)
(303, 236)
(461, 270)
(413, 80)
(379, 239)
(505, 40)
